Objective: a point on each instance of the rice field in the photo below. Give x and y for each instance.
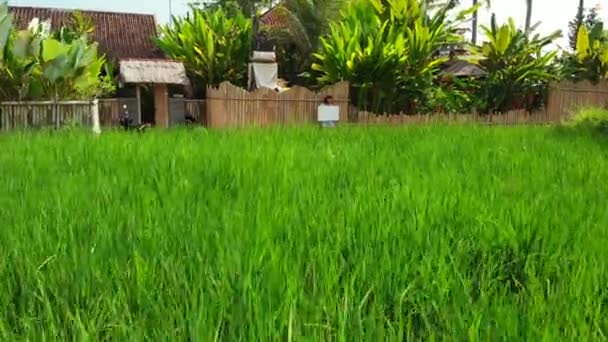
(348, 234)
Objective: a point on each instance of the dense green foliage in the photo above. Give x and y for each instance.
(392, 52)
(516, 66)
(213, 45)
(39, 64)
(387, 51)
(458, 233)
(587, 59)
(590, 59)
(454, 95)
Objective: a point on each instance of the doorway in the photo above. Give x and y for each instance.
(147, 104)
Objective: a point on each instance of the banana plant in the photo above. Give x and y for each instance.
(213, 46)
(70, 68)
(15, 66)
(36, 64)
(6, 25)
(516, 65)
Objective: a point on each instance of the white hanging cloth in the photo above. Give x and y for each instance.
(264, 71)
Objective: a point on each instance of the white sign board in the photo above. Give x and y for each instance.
(328, 113)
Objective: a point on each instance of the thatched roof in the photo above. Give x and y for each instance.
(463, 68)
(153, 71)
(120, 35)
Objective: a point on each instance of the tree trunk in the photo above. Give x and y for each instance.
(528, 15)
(474, 25)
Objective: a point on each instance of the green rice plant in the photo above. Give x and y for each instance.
(355, 233)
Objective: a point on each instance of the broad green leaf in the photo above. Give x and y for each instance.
(503, 40)
(6, 25)
(57, 68)
(36, 89)
(604, 56)
(582, 43)
(52, 49)
(468, 12)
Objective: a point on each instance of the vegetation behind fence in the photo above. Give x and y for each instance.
(231, 106)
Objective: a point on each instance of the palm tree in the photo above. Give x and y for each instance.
(474, 25)
(309, 19)
(306, 21)
(474, 19)
(248, 7)
(575, 24)
(528, 15)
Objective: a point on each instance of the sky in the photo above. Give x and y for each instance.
(553, 14)
(160, 8)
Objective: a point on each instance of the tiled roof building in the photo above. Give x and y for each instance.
(120, 35)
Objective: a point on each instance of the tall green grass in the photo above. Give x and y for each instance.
(451, 233)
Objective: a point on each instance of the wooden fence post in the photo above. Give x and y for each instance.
(95, 116)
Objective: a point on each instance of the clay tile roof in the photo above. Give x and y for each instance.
(274, 18)
(120, 35)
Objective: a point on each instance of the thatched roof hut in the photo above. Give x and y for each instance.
(461, 68)
(153, 71)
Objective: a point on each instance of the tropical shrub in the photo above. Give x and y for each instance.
(213, 45)
(595, 119)
(518, 70)
(18, 60)
(583, 61)
(454, 95)
(589, 61)
(387, 51)
(69, 69)
(37, 64)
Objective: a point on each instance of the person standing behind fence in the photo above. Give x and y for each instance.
(328, 112)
